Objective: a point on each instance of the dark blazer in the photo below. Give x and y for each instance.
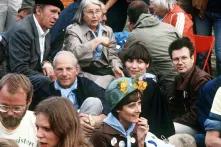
(24, 47)
(85, 88)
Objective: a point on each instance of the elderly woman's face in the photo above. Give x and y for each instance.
(92, 15)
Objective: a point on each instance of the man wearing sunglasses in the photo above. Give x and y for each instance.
(187, 85)
(16, 121)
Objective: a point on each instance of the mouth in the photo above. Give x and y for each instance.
(42, 144)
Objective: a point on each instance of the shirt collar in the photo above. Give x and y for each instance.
(58, 87)
(41, 33)
(85, 29)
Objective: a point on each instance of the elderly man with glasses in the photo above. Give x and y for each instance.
(16, 121)
(187, 84)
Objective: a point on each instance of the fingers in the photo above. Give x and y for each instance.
(118, 72)
(86, 126)
(143, 123)
(48, 69)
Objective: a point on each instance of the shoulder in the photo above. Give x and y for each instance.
(23, 27)
(73, 27)
(85, 82)
(30, 116)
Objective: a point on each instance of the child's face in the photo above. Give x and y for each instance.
(130, 113)
(136, 67)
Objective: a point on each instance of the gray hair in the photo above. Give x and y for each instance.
(165, 3)
(79, 13)
(66, 54)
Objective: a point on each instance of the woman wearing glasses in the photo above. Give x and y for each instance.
(58, 124)
(92, 42)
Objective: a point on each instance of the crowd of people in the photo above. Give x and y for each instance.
(67, 81)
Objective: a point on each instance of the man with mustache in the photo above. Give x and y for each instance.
(16, 122)
(29, 42)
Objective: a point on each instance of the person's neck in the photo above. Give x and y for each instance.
(125, 124)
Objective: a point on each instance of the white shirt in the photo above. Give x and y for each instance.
(41, 35)
(25, 134)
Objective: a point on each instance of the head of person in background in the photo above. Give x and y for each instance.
(161, 7)
(104, 14)
(181, 52)
(58, 124)
(136, 59)
(66, 68)
(89, 13)
(24, 11)
(8, 143)
(47, 12)
(135, 9)
(15, 97)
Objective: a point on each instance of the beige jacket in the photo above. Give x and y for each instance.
(77, 40)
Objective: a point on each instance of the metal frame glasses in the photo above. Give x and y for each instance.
(183, 59)
(15, 109)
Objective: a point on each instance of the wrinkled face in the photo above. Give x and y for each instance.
(182, 61)
(47, 16)
(12, 107)
(66, 72)
(45, 134)
(130, 113)
(136, 67)
(92, 15)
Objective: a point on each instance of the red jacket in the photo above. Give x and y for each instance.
(181, 20)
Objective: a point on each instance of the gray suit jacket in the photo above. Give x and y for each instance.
(24, 48)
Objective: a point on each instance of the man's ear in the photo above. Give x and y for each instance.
(29, 101)
(130, 26)
(78, 69)
(192, 57)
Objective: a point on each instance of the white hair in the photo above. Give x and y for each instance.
(165, 3)
(78, 17)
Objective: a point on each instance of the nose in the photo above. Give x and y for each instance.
(40, 133)
(64, 72)
(134, 64)
(10, 112)
(138, 108)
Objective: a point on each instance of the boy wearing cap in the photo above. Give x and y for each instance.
(29, 42)
(123, 126)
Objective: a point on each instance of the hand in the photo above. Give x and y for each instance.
(118, 72)
(48, 70)
(86, 124)
(105, 41)
(142, 129)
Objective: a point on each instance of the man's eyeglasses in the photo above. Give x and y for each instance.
(183, 59)
(15, 109)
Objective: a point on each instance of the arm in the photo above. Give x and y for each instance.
(141, 129)
(76, 42)
(213, 123)
(113, 56)
(110, 3)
